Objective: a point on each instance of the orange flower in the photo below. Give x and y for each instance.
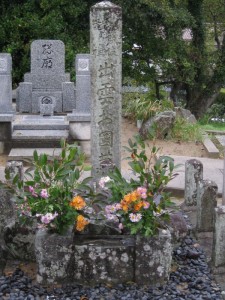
(78, 202)
(81, 223)
(138, 206)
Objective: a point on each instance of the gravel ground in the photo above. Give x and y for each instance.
(190, 279)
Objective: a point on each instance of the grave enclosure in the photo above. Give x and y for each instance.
(50, 107)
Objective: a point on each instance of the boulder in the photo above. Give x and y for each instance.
(185, 114)
(161, 125)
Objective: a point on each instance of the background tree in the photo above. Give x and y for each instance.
(156, 27)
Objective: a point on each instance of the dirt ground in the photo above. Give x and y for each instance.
(166, 147)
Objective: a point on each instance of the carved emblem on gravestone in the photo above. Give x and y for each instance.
(3, 65)
(46, 100)
(47, 104)
(83, 65)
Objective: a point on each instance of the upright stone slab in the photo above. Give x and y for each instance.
(106, 51)
(6, 110)
(206, 204)
(5, 83)
(218, 253)
(47, 80)
(193, 176)
(80, 118)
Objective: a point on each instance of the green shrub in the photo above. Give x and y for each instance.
(185, 131)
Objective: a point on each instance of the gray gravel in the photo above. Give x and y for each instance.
(190, 279)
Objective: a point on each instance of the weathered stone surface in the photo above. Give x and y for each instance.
(206, 204)
(179, 227)
(161, 124)
(193, 176)
(15, 168)
(100, 259)
(53, 256)
(153, 258)
(218, 253)
(20, 242)
(106, 51)
(185, 114)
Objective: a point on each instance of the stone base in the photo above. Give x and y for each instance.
(94, 259)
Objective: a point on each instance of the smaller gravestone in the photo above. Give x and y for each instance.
(47, 80)
(218, 253)
(193, 176)
(206, 203)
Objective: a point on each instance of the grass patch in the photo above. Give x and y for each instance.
(213, 126)
(185, 131)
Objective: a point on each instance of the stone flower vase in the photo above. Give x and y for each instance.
(53, 256)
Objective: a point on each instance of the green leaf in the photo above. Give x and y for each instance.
(35, 156)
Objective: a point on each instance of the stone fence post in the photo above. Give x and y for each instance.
(193, 176)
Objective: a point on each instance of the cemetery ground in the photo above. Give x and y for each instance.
(166, 147)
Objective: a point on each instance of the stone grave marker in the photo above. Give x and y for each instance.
(106, 51)
(47, 79)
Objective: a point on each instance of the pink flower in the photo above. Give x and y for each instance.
(146, 204)
(120, 226)
(31, 190)
(142, 192)
(44, 193)
(47, 218)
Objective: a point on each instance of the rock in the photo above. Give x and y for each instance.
(185, 114)
(179, 227)
(161, 124)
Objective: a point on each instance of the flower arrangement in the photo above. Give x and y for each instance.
(139, 205)
(47, 193)
(53, 194)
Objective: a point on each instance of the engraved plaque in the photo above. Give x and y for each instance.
(3, 64)
(83, 64)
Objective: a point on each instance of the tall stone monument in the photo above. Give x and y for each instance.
(106, 51)
(47, 88)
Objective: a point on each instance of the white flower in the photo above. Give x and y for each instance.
(135, 217)
(103, 181)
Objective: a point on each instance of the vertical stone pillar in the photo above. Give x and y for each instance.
(6, 110)
(206, 204)
(193, 176)
(218, 253)
(106, 51)
(5, 83)
(83, 87)
(223, 193)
